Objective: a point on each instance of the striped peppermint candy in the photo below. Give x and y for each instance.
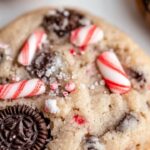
(113, 73)
(84, 36)
(24, 88)
(30, 47)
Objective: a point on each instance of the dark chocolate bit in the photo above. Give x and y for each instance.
(147, 5)
(63, 21)
(139, 77)
(22, 128)
(128, 121)
(1, 56)
(47, 66)
(92, 143)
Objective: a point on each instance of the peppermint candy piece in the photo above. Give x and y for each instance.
(54, 86)
(30, 47)
(51, 106)
(24, 88)
(72, 52)
(84, 36)
(70, 87)
(113, 73)
(79, 119)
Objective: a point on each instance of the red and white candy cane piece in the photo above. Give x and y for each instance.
(79, 119)
(84, 36)
(30, 47)
(54, 86)
(70, 86)
(24, 88)
(113, 73)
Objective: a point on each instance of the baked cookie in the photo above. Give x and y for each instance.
(144, 7)
(71, 81)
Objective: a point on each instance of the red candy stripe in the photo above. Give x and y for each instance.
(19, 89)
(84, 36)
(24, 88)
(113, 73)
(89, 35)
(30, 47)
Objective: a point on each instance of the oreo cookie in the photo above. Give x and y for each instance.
(23, 128)
(63, 21)
(46, 66)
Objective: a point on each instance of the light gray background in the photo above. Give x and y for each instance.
(122, 13)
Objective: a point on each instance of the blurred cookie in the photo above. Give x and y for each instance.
(144, 7)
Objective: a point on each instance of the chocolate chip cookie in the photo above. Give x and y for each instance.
(71, 81)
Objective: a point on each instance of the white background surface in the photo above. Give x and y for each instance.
(122, 13)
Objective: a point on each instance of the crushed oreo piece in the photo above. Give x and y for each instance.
(50, 67)
(147, 4)
(63, 21)
(128, 121)
(92, 143)
(47, 66)
(60, 91)
(138, 77)
(1, 56)
(23, 128)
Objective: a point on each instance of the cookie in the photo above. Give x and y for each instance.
(144, 7)
(23, 127)
(70, 80)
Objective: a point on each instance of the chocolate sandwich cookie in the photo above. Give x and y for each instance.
(23, 128)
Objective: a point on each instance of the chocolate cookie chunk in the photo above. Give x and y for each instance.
(62, 21)
(22, 128)
(138, 78)
(47, 66)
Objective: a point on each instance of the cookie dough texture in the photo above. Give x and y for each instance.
(113, 121)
